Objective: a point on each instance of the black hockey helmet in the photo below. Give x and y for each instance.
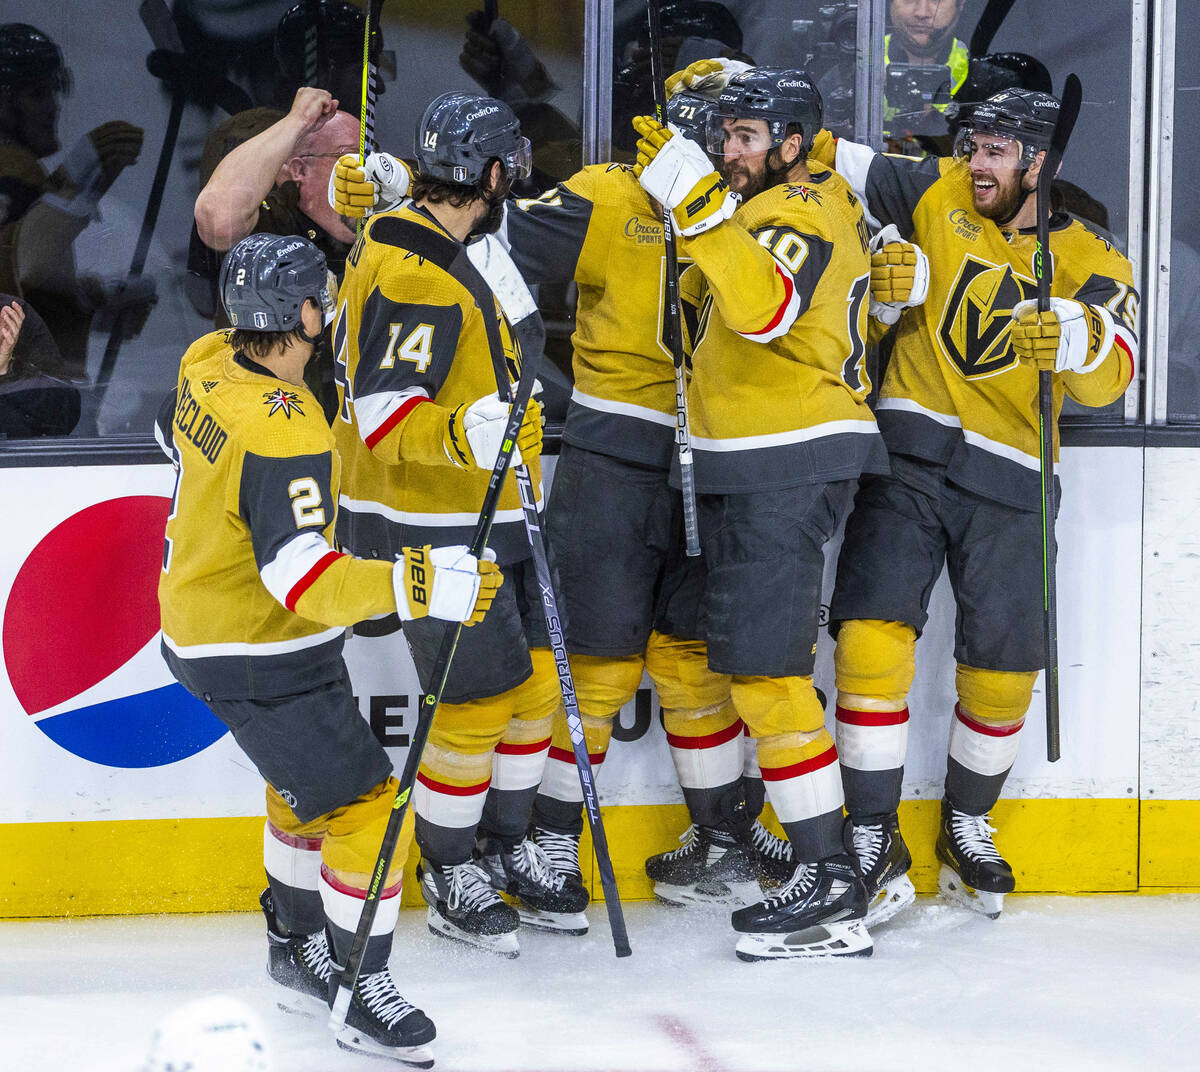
(1025, 115)
(689, 112)
(267, 278)
(28, 55)
(460, 132)
(778, 95)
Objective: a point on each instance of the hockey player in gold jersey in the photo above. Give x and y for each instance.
(420, 427)
(959, 412)
(781, 431)
(255, 599)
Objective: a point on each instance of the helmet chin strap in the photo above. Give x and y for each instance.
(776, 175)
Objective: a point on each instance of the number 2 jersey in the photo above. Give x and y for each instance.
(778, 299)
(410, 346)
(954, 392)
(254, 596)
(600, 228)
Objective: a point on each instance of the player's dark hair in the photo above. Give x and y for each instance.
(258, 345)
(439, 192)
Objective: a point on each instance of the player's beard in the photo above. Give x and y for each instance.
(745, 179)
(1007, 202)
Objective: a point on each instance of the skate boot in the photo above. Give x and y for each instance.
(380, 1022)
(547, 899)
(819, 913)
(973, 873)
(299, 962)
(710, 867)
(776, 863)
(884, 860)
(463, 906)
(562, 850)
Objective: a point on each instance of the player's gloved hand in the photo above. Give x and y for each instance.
(118, 145)
(493, 262)
(358, 190)
(677, 173)
(824, 147)
(445, 582)
(1068, 337)
(899, 275)
(474, 433)
(705, 76)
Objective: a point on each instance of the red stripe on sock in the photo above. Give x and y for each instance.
(805, 766)
(293, 842)
(565, 755)
(872, 718)
(452, 790)
(506, 749)
(309, 579)
(353, 891)
(984, 728)
(711, 740)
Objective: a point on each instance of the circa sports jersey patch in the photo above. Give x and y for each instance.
(282, 401)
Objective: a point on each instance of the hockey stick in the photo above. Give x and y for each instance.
(989, 22)
(566, 684)
(366, 114)
(1043, 270)
(671, 322)
(528, 335)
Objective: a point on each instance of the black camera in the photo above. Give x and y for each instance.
(827, 44)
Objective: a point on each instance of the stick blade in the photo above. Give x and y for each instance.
(989, 22)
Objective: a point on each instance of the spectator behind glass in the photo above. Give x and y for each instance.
(42, 214)
(277, 182)
(925, 66)
(34, 399)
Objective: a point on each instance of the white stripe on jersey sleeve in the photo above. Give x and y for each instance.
(373, 410)
(295, 558)
(852, 162)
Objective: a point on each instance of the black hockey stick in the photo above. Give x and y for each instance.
(528, 335)
(989, 22)
(1043, 271)
(671, 324)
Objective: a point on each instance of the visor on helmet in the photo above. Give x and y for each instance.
(737, 136)
(995, 150)
(518, 162)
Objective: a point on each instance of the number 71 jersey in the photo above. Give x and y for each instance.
(779, 381)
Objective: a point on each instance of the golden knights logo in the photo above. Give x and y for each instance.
(976, 320)
(282, 401)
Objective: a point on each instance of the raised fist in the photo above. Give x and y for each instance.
(118, 145)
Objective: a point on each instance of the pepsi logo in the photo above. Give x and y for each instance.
(80, 641)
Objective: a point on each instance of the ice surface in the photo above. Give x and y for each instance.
(1091, 983)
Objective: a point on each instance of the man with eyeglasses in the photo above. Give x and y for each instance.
(276, 183)
(959, 412)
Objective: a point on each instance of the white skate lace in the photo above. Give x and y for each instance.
(529, 859)
(562, 850)
(469, 889)
(797, 886)
(973, 834)
(687, 844)
(767, 844)
(380, 995)
(315, 953)
(868, 844)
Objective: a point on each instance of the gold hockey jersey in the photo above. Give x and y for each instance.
(254, 596)
(954, 392)
(779, 383)
(409, 335)
(600, 228)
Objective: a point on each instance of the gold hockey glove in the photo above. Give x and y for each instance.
(677, 173)
(474, 433)
(899, 275)
(358, 190)
(448, 583)
(1068, 337)
(704, 76)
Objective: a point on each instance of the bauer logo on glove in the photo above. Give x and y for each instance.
(678, 174)
(448, 583)
(1068, 337)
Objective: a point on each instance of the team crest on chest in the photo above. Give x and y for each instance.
(976, 320)
(281, 401)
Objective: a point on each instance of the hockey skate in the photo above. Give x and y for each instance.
(464, 907)
(973, 873)
(547, 899)
(710, 867)
(562, 850)
(776, 862)
(299, 962)
(381, 1023)
(884, 860)
(819, 913)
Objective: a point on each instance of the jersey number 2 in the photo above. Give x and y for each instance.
(306, 502)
